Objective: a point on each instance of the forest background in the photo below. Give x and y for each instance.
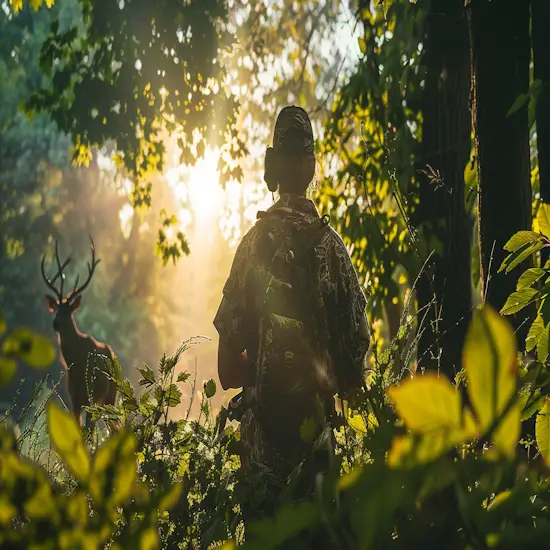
(144, 124)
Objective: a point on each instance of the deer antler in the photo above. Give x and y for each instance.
(91, 269)
(60, 268)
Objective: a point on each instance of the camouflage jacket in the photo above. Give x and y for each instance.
(238, 317)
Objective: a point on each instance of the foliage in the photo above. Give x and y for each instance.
(116, 76)
(413, 466)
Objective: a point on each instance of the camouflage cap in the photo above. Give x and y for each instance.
(293, 131)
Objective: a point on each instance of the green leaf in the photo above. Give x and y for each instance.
(521, 238)
(66, 439)
(32, 348)
(518, 300)
(308, 429)
(183, 377)
(542, 344)
(8, 367)
(542, 431)
(3, 324)
(531, 276)
(521, 254)
(490, 360)
(210, 388)
(173, 396)
(362, 45)
(543, 219)
(535, 332)
(148, 376)
(114, 470)
(521, 101)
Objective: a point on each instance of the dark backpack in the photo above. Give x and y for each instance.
(293, 384)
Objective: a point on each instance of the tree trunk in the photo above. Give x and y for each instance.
(499, 34)
(540, 18)
(444, 290)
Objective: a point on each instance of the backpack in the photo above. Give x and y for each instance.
(292, 380)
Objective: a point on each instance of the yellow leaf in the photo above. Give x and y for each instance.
(542, 431)
(117, 454)
(170, 498)
(229, 545)
(3, 324)
(7, 370)
(349, 479)
(357, 422)
(499, 499)
(67, 440)
(149, 540)
(490, 361)
(35, 4)
(427, 403)
(543, 219)
(7, 511)
(17, 5)
(32, 348)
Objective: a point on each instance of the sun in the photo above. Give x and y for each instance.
(205, 194)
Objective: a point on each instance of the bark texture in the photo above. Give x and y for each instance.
(444, 291)
(499, 33)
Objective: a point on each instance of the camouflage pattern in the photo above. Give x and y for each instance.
(240, 315)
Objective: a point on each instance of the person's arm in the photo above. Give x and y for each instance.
(230, 322)
(350, 330)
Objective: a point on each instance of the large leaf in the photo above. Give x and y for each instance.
(543, 219)
(542, 431)
(490, 361)
(521, 254)
(542, 344)
(427, 403)
(521, 238)
(67, 440)
(8, 367)
(31, 347)
(518, 300)
(114, 469)
(535, 333)
(531, 276)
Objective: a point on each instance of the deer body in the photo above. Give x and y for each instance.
(86, 360)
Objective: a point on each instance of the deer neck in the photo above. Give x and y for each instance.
(68, 337)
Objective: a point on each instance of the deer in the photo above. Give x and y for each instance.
(84, 359)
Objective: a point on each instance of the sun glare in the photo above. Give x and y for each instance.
(204, 191)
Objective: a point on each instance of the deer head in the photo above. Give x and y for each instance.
(64, 307)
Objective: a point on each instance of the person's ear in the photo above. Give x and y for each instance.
(77, 302)
(51, 303)
(270, 170)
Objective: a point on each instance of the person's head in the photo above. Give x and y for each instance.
(290, 163)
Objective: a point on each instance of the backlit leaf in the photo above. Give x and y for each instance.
(111, 477)
(530, 277)
(210, 388)
(149, 539)
(542, 431)
(518, 300)
(521, 254)
(32, 348)
(427, 402)
(308, 429)
(535, 332)
(67, 440)
(3, 324)
(543, 219)
(542, 344)
(8, 367)
(490, 361)
(521, 238)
